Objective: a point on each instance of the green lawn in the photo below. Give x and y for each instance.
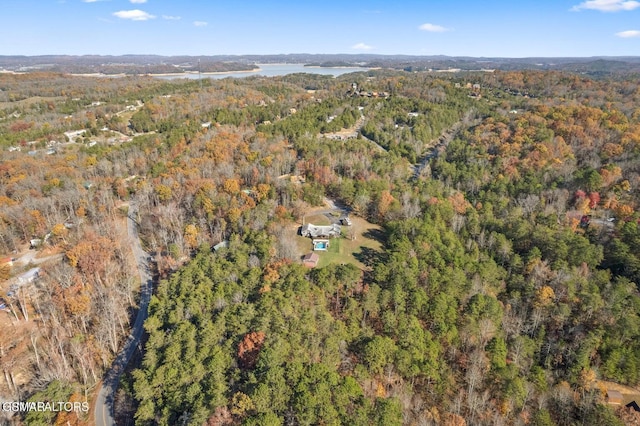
(363, 251)
(335, 254)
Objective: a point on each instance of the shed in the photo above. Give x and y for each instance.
(220, 245)
(614, 397)
(310, 260)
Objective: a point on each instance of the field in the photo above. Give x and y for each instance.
(361, 251)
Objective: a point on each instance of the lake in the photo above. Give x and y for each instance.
(272, 70)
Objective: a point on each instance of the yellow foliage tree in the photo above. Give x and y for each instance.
(544, 297)
(59, 230)
(234, 214)
(241, 403)
(164, 192)
(624, 210)
(90, 161)
(231, 186)
(191, 236)
(262, 191)
(583, 205)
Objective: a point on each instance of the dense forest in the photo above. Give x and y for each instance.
(503, 289)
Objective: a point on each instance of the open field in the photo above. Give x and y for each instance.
(361, 251)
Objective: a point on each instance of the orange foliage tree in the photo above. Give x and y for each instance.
(249, 349)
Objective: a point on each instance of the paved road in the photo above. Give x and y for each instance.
(104, 403)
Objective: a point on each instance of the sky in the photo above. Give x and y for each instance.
(487, 28)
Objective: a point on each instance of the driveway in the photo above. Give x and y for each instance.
(105, 402)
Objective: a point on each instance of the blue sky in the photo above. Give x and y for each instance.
(489, 28)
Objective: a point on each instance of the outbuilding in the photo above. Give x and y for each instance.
(310, 260)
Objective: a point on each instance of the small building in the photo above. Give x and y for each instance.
(310, 260)
(221, 245)
(614, 397)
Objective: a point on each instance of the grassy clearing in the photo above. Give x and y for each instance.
(360, 245)
(317, 219)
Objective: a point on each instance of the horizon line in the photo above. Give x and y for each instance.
(318, 54)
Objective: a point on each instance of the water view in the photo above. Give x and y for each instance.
(272, 70)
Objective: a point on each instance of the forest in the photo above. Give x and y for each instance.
(505, 290)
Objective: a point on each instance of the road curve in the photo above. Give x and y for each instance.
(103, 409)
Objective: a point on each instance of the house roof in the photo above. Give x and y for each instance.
(311, 257)
(614, 397)
(311, 230)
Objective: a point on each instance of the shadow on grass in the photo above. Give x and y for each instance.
(369, 257)
(375, 234)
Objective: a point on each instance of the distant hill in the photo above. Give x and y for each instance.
(154, 64)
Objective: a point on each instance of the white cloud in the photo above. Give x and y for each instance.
(607, 5)
(134, 15)
(200, 23)
(432, 28)
(361, 46)
(171, 18)
(138, 1)
(629, 34)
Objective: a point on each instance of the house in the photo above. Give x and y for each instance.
(614, 397)
(72, 135)
(310, 260)
(28, 277)
(314, 231)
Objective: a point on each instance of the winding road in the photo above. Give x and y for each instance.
(104, 413)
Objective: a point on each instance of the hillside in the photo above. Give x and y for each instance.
(489, 275)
